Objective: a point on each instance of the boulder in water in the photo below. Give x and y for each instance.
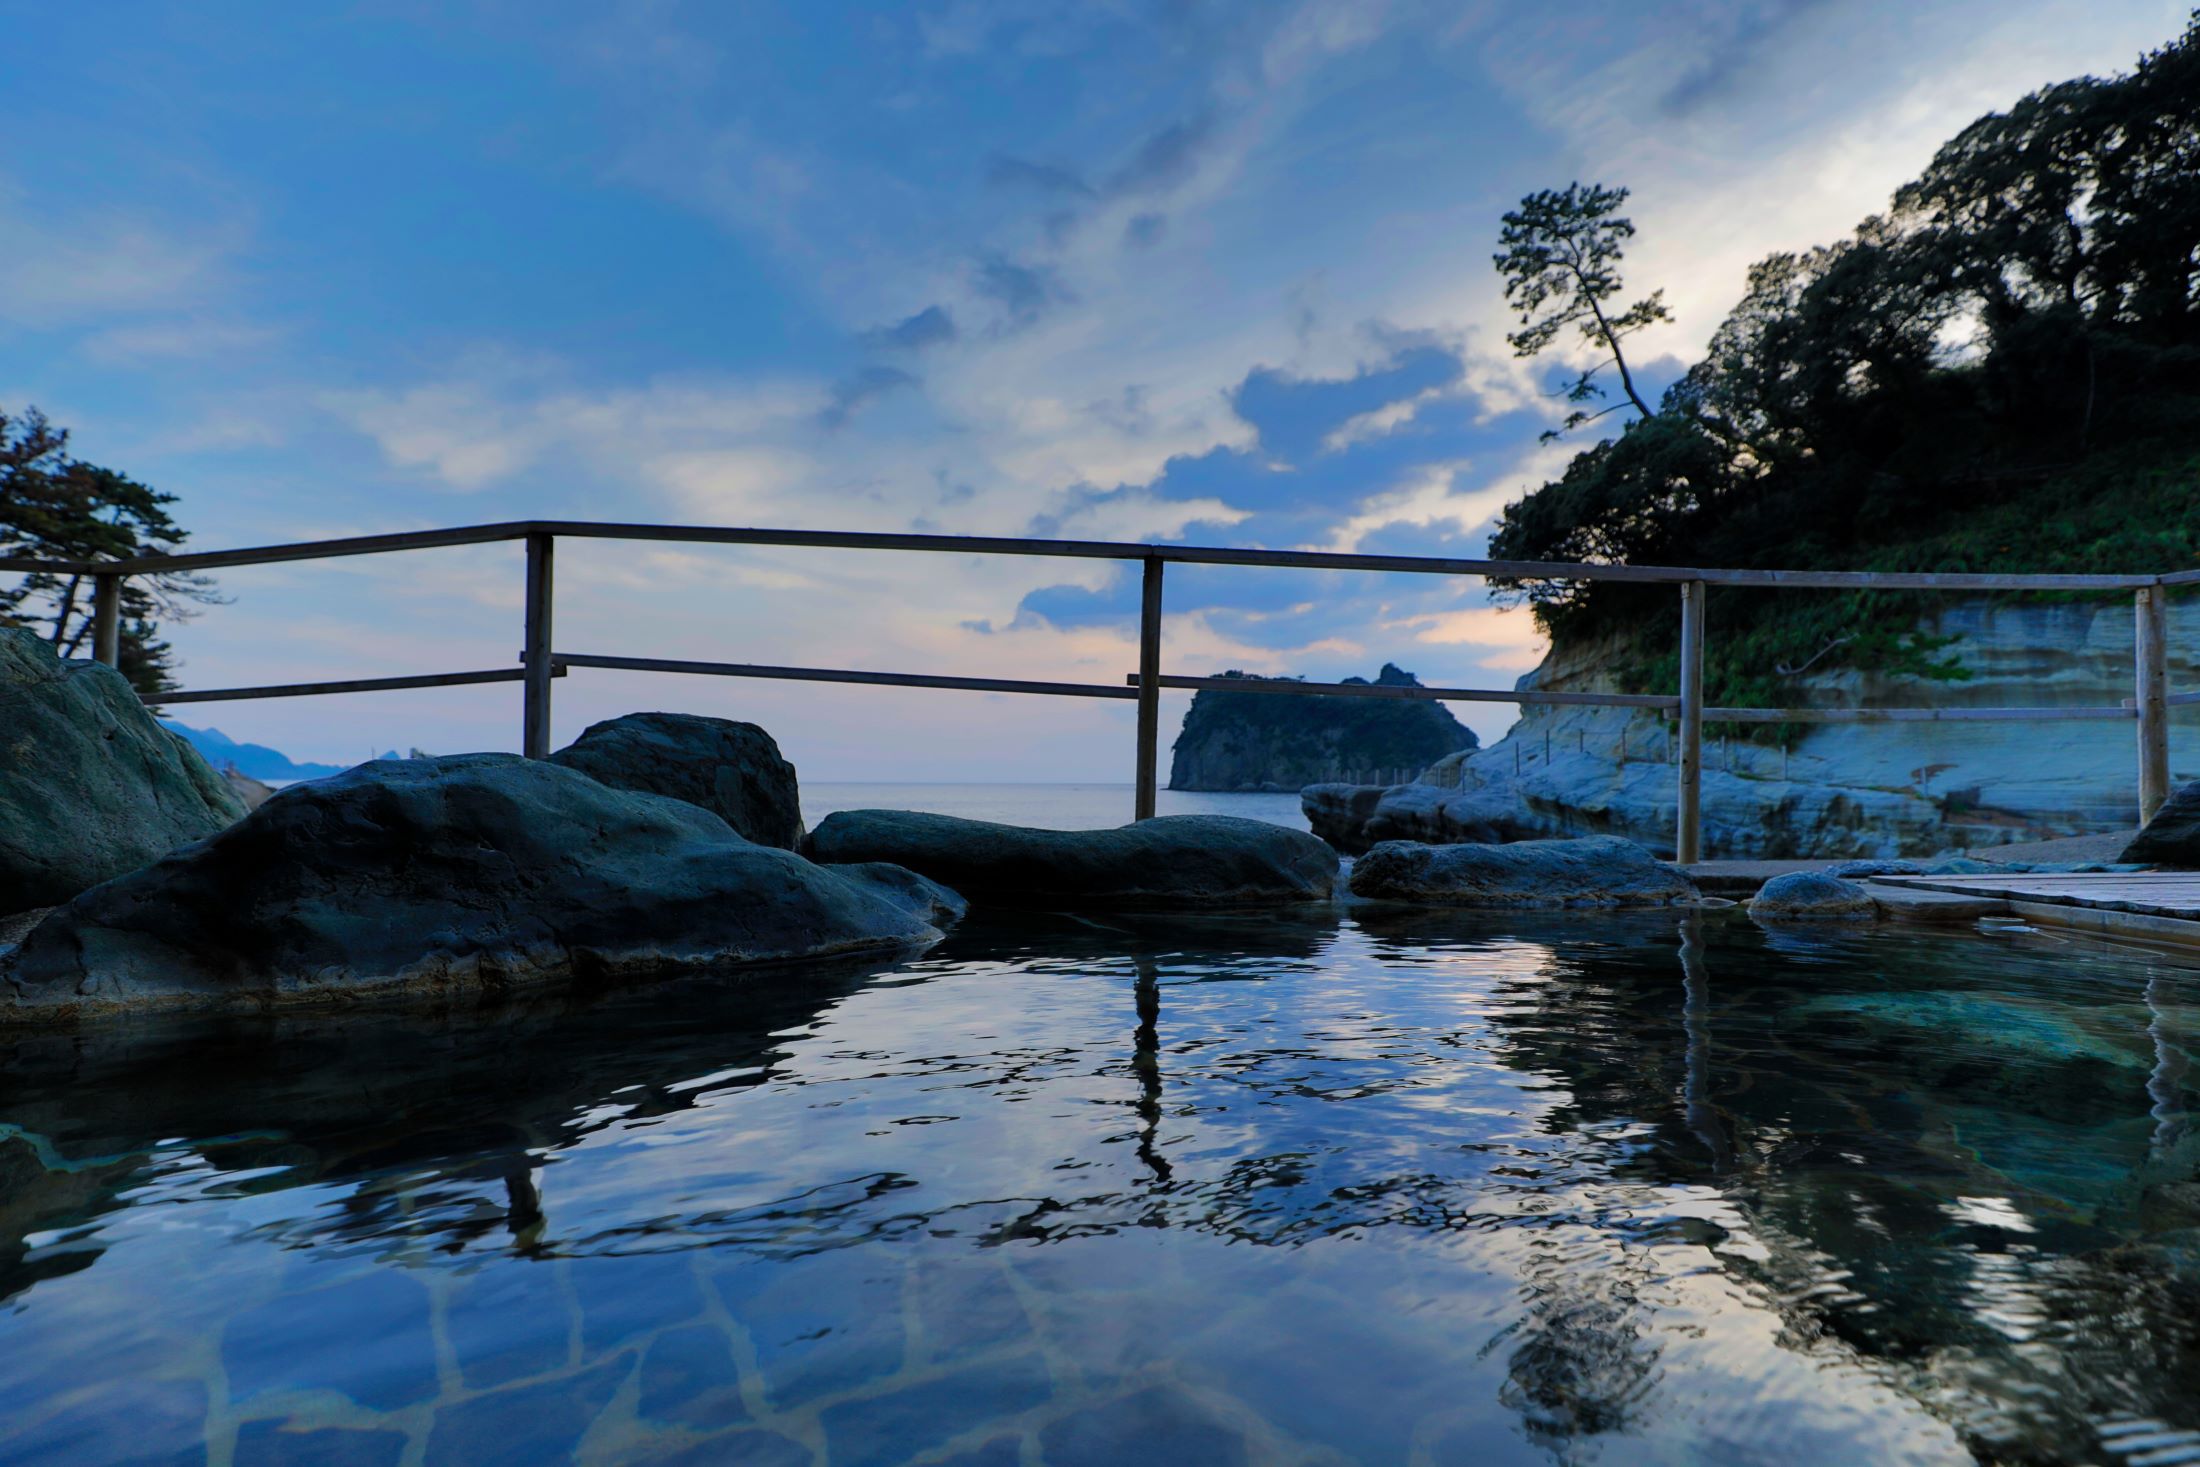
(1810, 895)
(2172, 837)
(1889, 867)
(1356, 818)
(437, 876)
(920, 895)
(1595, 871)
(734, 770)
(1176, 861)
(90, 786)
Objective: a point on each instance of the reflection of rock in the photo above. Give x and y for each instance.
(1177, 861)
(734, 770)
(90, 785)
(440, 875)
(1596, 872)
(2010, 1031)
(1804, 895)
(504, 1084)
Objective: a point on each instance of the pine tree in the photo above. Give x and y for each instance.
(55, 507)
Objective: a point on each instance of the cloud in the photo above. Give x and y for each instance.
(1164, 160)
(1039, 178)
(194, 339)
(851, 393)
(1144, 231)
(64, 266)
(1023, 292)
(503, 415)
(1145, 275)
(930, 327)
(1305, 483)
(1744, 50)
(730, 485)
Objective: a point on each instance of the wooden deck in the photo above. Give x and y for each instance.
(2163, 905)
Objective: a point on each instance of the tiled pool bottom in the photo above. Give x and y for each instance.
(1410, 1190)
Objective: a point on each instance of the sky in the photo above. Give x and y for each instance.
(1190, 271)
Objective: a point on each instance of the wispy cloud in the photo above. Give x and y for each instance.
(1111, 270)
(71, 265)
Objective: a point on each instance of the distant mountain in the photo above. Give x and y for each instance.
(1269, 741)
(256, 760)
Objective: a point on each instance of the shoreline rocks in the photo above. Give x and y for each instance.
(1598, 871)
(1181, 862)
(1356, 818)
(91, 787)
(734, 770)
(439, 877)
(1839, 790)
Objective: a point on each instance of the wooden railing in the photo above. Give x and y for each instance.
(540, 662)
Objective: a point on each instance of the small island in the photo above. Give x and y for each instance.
(1245, 742)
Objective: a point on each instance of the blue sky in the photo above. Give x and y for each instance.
(1152, 269)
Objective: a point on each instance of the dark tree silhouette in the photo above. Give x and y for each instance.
(54, 507)
(2001, 372)
(1561, 256)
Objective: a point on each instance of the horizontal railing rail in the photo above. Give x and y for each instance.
(351, 685)
(540, 663)
(844, 675)
(1517, 570)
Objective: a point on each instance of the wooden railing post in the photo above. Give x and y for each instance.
(2151, 615)
(1149, 689)
(107, 619)
(1688, 832)
(535, 721)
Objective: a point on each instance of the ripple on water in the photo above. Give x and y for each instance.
(1412, 1188)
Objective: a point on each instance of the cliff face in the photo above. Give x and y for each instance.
(1251, 741)
(1842, 790)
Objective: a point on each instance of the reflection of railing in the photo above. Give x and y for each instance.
(539, 663)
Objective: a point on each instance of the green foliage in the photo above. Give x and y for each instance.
(2002, 373)
(1561, 256)
(54, 507)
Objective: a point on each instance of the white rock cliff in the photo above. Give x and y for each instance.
(1840, 790)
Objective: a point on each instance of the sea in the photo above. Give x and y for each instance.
(1048, 806)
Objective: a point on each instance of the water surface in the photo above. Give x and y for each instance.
(1415, 1189)
(1049, 806)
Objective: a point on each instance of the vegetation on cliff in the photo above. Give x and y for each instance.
(1253, 741)
(2000, 373)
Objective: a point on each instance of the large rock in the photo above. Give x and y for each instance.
(1177, 861)
(2172, 837)
(1598, 871)
(439, 876)
(90, 785)
(734, 770)
(1809, 895)
(1354, 818)
(1250, 740)
(919, 895)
